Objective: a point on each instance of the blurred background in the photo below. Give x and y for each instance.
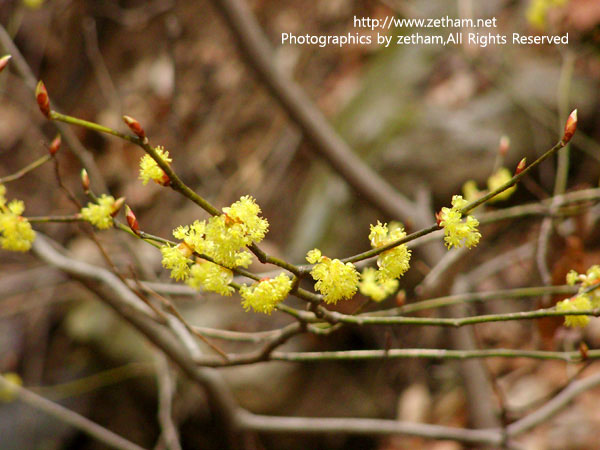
(426, 117)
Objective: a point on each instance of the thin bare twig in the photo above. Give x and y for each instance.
(81, 153)
(553, 406)
(326, 142)
(67, 416)
(25, 170)
(166, 386)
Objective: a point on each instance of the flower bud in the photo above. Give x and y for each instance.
(117, 206)
(185, 249)
(401, 297)
(570, 127)
(55, 145)
(164, 180)
(4, 61)
(134, 126)
(85, 180)
(41, 95)
(504, 145)
(521, 166)
(132, 220)
(583, 350)
(438, 218)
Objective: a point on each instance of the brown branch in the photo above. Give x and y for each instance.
(120, 298)
(370, 427)
(325, 141)
(81, 153)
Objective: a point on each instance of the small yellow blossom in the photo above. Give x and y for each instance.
(16, 233)
(100, 214)
(590, 278)
(572, 277)
(150, 170)
(224, 237)
(265, 295)
(370, 285)
(537, 11)
(392, 263)
(335, 280)
(313, 256)
(210, 277)
(192, 235)
(8, 391)
(497, 179)
(224, 241)
(459, 233)
(578, 303)
(177, 260)
(470, 191)
(245, 212)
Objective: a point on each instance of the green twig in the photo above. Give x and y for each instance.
(51, 219)
(25, 170)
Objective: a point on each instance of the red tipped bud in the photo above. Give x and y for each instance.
(43, 101)
(85, 180)
(117, 206)
(504, 145)
(521, 166)
(134, 126)
(438, 218)
(55, 145)
(570, 127)
(132, 220)
(4, 62)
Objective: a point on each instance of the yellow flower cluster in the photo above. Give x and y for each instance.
(392, 263)
(201, 274)
(149, 170)
(223, 237)
(471, 191)
(579, 303)
(210, 277)
(100, 214)
(177, 260)
(590, 278)
(265, 295)
(458, 233)
(9, 392)
(371, 286)
(16, 233)
(335, 280)
(583, 301)
(537, 11)
(495, 180)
